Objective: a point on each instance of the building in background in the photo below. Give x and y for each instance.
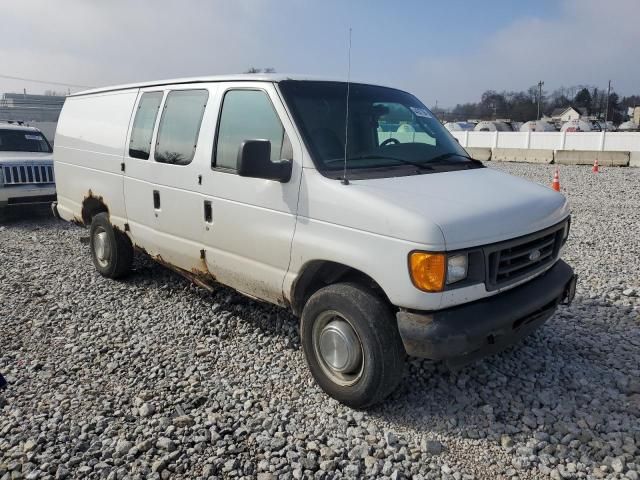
(562, 115)
(40, 111)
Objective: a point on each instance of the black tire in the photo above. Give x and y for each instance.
(382, 350)
(118, 261)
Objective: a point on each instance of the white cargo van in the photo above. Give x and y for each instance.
(406, 247)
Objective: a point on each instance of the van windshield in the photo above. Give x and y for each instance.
(23, 141)
(389, 130)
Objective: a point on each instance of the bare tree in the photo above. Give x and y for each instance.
(260, 70)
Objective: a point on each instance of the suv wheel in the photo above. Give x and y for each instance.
(111, 250)
(352, 345)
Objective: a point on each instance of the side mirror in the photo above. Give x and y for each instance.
(254, 160)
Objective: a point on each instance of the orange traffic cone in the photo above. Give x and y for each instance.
(595, 168)
(556, 181)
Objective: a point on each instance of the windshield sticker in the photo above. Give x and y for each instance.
(33, 137)
(421, 112)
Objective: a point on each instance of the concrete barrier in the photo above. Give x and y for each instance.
(528, 155)
(587, 157)
(634, 159)
(482, 154)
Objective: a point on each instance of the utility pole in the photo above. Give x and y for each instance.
(606, 112)
(540, 84)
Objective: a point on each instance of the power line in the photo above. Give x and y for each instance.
(9, 104)
(45, 82)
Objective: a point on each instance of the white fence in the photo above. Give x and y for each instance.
(602, 141)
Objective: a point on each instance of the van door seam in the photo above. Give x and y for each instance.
(293, 235)
(124, 149)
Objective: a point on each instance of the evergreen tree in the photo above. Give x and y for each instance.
(583, 99)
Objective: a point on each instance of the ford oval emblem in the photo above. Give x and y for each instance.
(535, 255)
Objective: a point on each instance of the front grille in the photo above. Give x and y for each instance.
(27, 174)
(513, 260)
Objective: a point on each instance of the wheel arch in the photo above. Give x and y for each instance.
(91, 206)
(317, 274)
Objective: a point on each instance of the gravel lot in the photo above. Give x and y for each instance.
(152, 377)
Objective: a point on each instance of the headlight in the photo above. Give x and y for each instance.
(431, 271)
(457, 267)
(427, 270)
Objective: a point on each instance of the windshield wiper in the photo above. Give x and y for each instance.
(421, 166)
(446, 156)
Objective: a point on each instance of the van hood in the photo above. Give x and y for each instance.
(473, 207)
(25, 157)
(439, 211)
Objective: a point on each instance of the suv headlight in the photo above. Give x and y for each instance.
(457, 268)
(430, 272)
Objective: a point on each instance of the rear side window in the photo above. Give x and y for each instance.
(248, 115)
(142, 131)
(180, 125)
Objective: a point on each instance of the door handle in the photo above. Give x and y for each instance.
(156, 199)
(208, 212)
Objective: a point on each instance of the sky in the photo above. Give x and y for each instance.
(446, 51)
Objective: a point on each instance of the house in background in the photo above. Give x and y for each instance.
(562, 115)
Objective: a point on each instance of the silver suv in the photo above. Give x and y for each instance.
(26, 166)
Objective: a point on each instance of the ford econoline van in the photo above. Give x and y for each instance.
(370, 223)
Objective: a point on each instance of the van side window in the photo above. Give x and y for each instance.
(180, 126)
(248, 115)
(142, 131)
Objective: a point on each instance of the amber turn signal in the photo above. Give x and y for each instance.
(428, 270)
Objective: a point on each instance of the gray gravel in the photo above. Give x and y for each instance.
(152, 377)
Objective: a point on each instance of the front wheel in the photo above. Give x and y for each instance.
(352, 344)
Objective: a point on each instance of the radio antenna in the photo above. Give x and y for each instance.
(345, 180)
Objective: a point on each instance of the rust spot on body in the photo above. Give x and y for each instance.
(91, 195)
(199, 275)
(91, 205)
(140, 249)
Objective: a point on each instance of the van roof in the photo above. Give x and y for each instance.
(247, 77)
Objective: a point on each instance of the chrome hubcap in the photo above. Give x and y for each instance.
(338, 348)
(101, 247)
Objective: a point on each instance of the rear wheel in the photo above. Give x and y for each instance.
(111, 250)
(352, 344)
